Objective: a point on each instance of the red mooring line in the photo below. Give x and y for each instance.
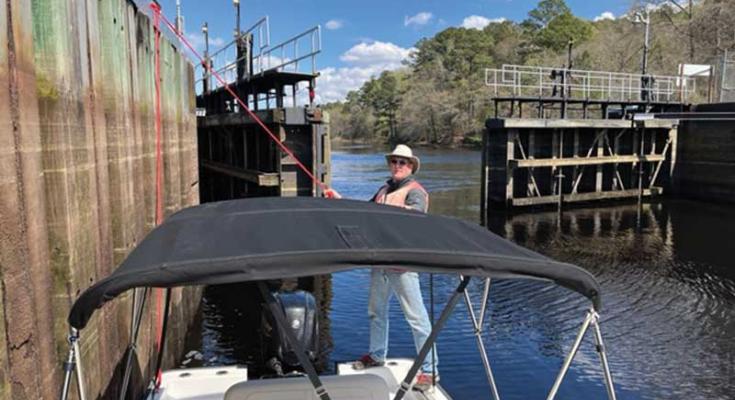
(159, 175)
(157, 18)
(243, 105)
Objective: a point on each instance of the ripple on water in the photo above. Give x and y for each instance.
(668, 295)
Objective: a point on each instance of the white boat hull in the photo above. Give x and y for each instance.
(212, 383)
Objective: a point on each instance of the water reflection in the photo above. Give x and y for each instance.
(668, 295)
(668, 290)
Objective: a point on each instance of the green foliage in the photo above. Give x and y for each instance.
(440, 96)
(561, 29)
(461, 52)
(545, 12)
(382, 96)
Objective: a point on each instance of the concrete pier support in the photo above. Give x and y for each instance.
(77, 182)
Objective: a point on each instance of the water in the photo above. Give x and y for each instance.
(668, 282)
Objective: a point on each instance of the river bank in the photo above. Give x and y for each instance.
(467, 143)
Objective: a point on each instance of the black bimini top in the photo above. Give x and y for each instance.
(268, 238)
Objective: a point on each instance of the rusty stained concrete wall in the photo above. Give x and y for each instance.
(77, 182)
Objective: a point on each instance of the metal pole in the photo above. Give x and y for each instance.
(646, 22)
(603, 358)
(644, 63)
(485, 296)
(560, 176)
(68, 371)
(162, 343)
(431, 318)
(205, 81)
(724, 76)
(570, 356)
(80, 377)
(236, 3)
(477, 326)
(138, 305)
(179, 19)
(429, 343)
(569, 54)
(640, 176)
(71, 365)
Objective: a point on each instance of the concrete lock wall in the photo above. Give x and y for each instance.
(77, 183)
(705, 167)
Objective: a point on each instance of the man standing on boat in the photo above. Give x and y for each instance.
(401, 190)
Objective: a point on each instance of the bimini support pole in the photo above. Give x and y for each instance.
(591, 318)
(429, 343)
(138, 304)
(477, 325)
(71, 365)
(603, 358)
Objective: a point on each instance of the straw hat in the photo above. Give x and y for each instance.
(405, 152)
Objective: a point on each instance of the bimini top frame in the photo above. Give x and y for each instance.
(270, 238)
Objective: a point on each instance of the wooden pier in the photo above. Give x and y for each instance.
(527, 162)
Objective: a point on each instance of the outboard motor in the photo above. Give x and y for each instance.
(302, 319)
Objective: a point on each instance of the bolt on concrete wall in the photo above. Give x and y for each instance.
(77, 181)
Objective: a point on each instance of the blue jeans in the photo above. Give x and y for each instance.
(405, 285)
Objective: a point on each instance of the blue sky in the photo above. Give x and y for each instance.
(362, 38)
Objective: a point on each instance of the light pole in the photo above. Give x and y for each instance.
(645, 19)
(207, 63)
(179, 18)
(236, 3)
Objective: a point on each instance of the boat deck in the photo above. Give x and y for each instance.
(211, 383)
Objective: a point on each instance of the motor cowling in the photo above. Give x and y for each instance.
(300, 310)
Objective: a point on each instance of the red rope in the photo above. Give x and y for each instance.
(157, 18)
(244, 106)
(159, 172)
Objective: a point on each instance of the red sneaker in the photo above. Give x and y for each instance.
(366, 361)
(425, 381)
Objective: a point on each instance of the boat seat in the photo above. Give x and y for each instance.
(339, 387)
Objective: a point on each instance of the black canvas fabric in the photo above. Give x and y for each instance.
(267, 238)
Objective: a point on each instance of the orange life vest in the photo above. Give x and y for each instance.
(397, 197)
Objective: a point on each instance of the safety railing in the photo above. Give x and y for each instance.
(287, 55)
(546, 82)
(290, 55)
(224, 60)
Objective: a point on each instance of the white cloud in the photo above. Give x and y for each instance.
(421, 18)
(197, 41)
(376, 53)
(607, 15)
(366, 60)
(479, 22)
(333, 24)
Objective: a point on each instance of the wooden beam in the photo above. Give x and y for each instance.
(589, 196)
(579, 161)
(512, 136)
(258, 177)
(540, 123)
(239, 119)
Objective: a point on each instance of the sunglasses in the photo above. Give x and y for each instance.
(399, 161)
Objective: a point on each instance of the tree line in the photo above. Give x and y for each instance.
(439, 96)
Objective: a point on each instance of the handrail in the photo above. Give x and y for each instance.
(291, 45)
(284, 56)
(521, 80)
(228, 57)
